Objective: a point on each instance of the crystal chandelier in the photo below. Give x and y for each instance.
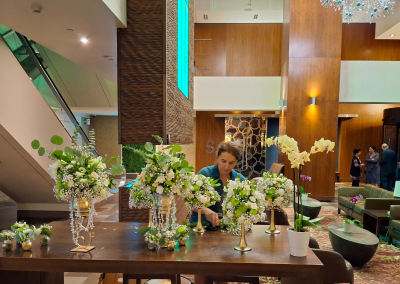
(371, 8)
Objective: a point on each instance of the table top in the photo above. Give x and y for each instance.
(358, 235)
(121, 249)
(381, 214)
(311, 202)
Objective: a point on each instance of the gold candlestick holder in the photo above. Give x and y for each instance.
(199, 228)
(272, 229)
(242, 246)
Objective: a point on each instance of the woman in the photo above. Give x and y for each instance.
(372, 160)
(355, 170)
(228, 155)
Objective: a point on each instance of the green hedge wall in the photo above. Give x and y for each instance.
(133, 161)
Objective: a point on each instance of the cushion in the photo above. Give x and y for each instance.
(396, 224)
(359, 208)
(366, 192)
(386, 194)
(376, 192)
(345, 200)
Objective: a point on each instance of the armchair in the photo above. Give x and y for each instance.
(394, 223)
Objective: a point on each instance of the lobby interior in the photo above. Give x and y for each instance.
(197, 73)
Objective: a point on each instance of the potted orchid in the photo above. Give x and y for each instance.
(7, 236)
(243, 206)
(348, 223)
(299, 236)
(278, 192)
(199, 192)
(304, 194)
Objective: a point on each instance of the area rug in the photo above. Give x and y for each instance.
(383, 268)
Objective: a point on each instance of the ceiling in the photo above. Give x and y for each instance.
(89, 18)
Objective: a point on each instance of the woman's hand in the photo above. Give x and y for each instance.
(211, 216)
(362, 165)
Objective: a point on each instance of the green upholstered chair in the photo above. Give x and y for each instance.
(394, 223)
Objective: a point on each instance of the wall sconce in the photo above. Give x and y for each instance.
(282, 103)
(313, 100)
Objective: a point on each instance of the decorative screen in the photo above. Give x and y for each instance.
(183, 46)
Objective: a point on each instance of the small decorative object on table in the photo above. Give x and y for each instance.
(278, 192)
(45, 233)
(198, 192)
(165, 236)
(82, 180)
(299, 236)
(304, 194)
(8, 236)
(348, 223)
(157, 185)
(25, 234)
(243, 206)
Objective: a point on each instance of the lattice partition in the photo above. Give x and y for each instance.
(250, 134)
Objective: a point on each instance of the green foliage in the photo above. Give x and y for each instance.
(134, 159)
(354, 222)
(46, 232)
(117, 168)
(304, 221)
(41, 151)
(56, 140)
(35, 144)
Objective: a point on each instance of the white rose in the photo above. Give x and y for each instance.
(106, 182)
(229, 214)
(247, 187)
(94, 175)
(159, 189)
(73, 162)
(71, 183)
(281, 192)
(252, 199)
(160, 179)
(171, 175)
(241, 219)
(199, 183)
(253, 206)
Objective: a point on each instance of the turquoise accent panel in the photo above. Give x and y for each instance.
(183, 46)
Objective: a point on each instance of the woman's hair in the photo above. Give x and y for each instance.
(231, 148)
(355, 151)
(373, 148)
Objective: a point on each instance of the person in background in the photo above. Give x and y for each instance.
(372, 173)
(228, 155)
(356, 166)
(388, 167)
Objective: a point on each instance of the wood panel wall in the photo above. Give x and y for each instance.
(238, 49)
(359, 43)
(359, 133)
(313, 70)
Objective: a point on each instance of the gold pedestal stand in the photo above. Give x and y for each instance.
(199, 228)
(272, 230)
(242, 246)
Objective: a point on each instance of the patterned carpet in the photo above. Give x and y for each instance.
(383, 268)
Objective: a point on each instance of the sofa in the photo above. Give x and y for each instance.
(394, 223)
(374, 198)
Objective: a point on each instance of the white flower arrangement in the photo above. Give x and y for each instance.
(7, 235)
(45, 230)
(170, 233)
(78, 172)
(199, 192)
(243, 204)
(278, 190)
(25, 233)
(161, 176)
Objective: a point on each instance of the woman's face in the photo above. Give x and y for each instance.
(226, 162)
(358, 154)
(371, 150)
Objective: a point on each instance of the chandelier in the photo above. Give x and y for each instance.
(371, 8)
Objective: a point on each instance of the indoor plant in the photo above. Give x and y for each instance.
(7, 236)
(278, 192)
(298, 235)
(45, 233)
(304, 194)
(348, 223)
(243, 206)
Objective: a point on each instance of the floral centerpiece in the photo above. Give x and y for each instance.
(243, 206)
(81, 179)
(166, 236)
(299, 243)
(278, 192)
(25, 234)
(45, 232)
(199, 192)
(7, 236)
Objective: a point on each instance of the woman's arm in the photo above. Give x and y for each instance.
(368, 158)
(211, 216)
(375, 158)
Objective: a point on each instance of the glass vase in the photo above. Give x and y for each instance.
(27, 245)
(8, 245)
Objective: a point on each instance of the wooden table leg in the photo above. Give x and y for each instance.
(378, 226)
(199, 279)
(51, 278)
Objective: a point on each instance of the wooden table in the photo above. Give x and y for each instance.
(120, 249)
(311, 207)
(374, 219)
(357, 247)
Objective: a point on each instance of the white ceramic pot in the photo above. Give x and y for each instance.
(298, 242)
(304, 197)
(348, 228)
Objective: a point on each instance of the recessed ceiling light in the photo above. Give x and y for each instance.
(84, 40)
(255, 16)
(392, 35)
(70, 30)
(205, 17)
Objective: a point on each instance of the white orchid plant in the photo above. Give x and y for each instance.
(297, 159)
(243, 204)
(278, 190)
(199, 192)
(162, 175)
(78, 171)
